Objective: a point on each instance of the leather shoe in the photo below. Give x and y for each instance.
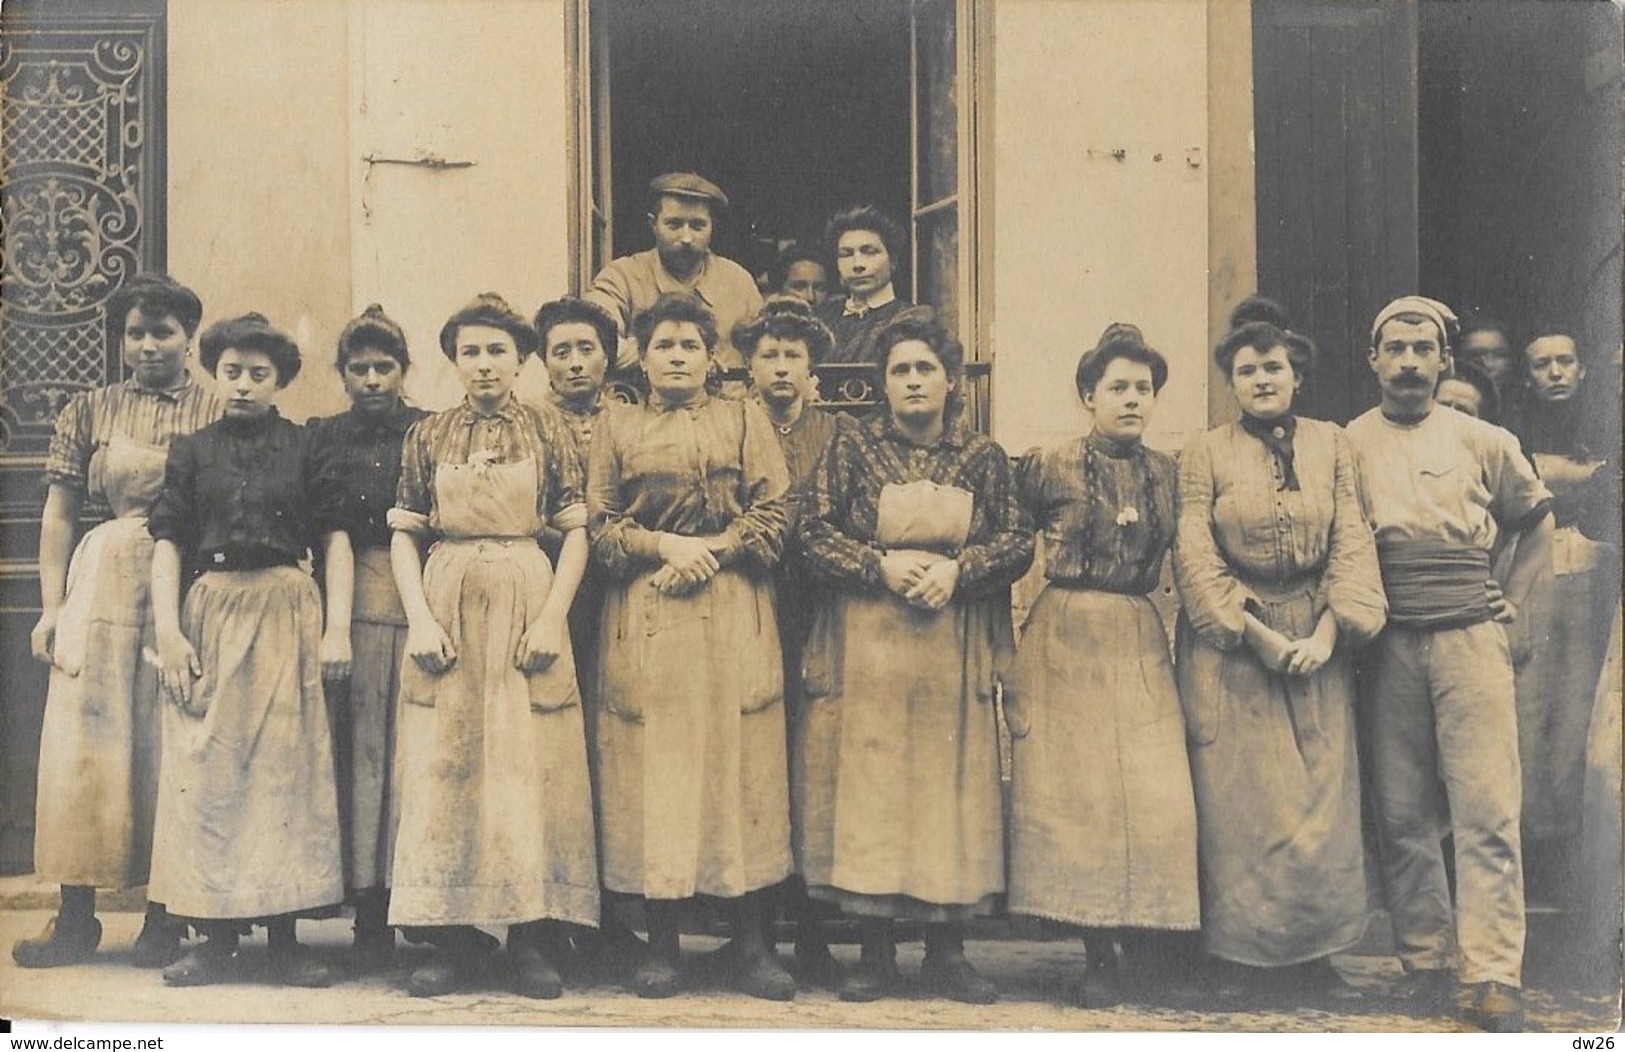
(952, 976)
(203, 965)
(158, 945)
(655, 978)
(815, 964)
(1430, 991)
(297, 966)
(534, 975)
(59, 944)
(759, 974)
(1497, 1008)
(439, 976)
(869, 981)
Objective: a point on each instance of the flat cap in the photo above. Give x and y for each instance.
(687, 184)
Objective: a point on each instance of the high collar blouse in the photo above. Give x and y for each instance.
(710, 467)
(838, 527)
(1239, 531)
(238, 487)
(1104, 509)
(356, 460)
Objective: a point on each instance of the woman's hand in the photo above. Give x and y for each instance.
(690, 558)
(667, 581)
(1305, 657)
(541, 645)
(430, 647)
(336, 654)
(935, 585)
(901, 570)
(178, 666)
(42, 640)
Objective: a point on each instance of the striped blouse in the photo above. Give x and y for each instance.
(153, 418)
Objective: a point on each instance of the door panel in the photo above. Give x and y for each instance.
(1336, 163)
(82, 190)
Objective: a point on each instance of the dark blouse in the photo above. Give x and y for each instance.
(855, 336)
(237, 495)
(1105, 511)
(356, 465)
(839, 522)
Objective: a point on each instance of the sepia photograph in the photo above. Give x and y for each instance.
(811, 515)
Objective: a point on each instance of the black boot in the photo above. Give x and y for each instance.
(212, 961)
(159, 944)
(946, 973)
(757, 970)
(291, 963)
(373, 949)
(533, 950)
(659, 974)
(876, 973)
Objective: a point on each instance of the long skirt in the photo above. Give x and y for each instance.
(898, 800)
(496, 807)
(99, 747)
(364, 710)
(694, 795)
(1556, 685)
(1103, 819)
(247, 809)
(1277, 795)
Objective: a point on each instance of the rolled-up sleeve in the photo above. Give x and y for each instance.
(413, 499)
(67, 460)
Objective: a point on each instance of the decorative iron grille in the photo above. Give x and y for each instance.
(80, 198)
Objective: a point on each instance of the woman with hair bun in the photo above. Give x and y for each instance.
(101, 706)
(247, 826)
(1277, 569)
(357, 463)
(1103, 823)
(913, 528)
(496, 806)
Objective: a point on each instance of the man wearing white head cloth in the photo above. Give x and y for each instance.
(1446, 493)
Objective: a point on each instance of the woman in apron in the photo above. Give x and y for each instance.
(1277, 570)
(98, 771)
(1103, 823)
(913, 526)
(496, 808)
(247, 826)
(357, 465)
(686, 497)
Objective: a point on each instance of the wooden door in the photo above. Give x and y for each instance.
(1336, 161)
(82, 191)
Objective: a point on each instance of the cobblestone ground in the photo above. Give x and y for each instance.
(1034, 978)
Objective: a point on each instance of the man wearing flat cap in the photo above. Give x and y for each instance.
(683, 208)
(1447, 492)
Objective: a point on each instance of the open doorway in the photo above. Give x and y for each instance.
(795, 109)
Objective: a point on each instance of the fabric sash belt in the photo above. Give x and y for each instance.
(1435, 584)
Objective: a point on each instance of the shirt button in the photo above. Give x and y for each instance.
(219, 557)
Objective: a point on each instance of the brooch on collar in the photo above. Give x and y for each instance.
(1128, 516)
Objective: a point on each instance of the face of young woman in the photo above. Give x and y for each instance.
(372, 379)
(917, 385)
(806, 280)
(1460, 396)
(1123, 399)
(864, 263)
(676, 361)
(1555, 371)
(1264, 383)
(576, 361)
(247, 381)
(154, 349)
(487, 362)
(781, 370)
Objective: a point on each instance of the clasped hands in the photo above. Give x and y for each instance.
(922, 579)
